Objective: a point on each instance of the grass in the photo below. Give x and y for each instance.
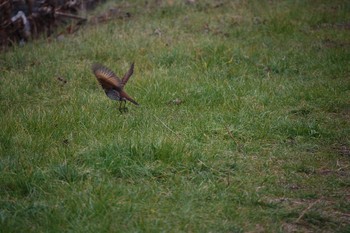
(243, 124)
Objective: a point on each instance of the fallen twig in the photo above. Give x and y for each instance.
(307, 209)
(167, 127)
(67, 15)
(230, 134)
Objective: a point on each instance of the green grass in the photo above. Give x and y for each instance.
(259, 143)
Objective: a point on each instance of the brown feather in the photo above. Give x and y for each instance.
(124, 95)
(128, 74)
(106, 77)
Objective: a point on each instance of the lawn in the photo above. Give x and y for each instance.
(243, 123)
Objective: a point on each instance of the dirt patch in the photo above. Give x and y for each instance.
(328, 43)
(293, 227)
(339, 26)
(342, 149)
(313, 215)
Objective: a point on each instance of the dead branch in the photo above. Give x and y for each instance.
(307, 209)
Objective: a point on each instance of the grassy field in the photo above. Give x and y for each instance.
(243, 123)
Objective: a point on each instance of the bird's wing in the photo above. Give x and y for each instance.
(128, 75)
(106, 77)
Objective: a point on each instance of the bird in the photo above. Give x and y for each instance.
(113, 85)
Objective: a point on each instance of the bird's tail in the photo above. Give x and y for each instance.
(123, 94)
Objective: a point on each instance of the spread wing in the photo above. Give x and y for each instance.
(107, 79)
(128, 75)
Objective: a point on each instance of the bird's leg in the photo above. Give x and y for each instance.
(121, 107)
(125, 109)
